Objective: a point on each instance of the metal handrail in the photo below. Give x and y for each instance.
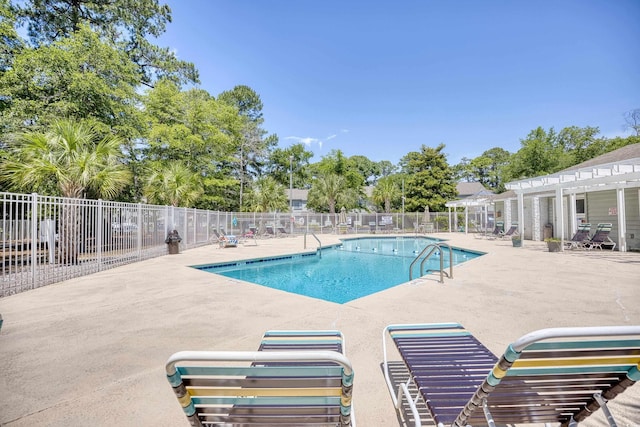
(318, 240)
(434, 247)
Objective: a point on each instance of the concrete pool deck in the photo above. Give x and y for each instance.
(91, 351)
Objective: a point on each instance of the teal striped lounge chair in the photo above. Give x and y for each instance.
(579, 239)
(295, 378)
(601, 237)
(558, 375)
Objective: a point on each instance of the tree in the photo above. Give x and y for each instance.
(77, 77)
(386, 191)
(489, 168)
(174, 185)
(10, 43)
(193, 128)
(126, 23)
(326, 191)
(539, 154)
(73, 159)
(430, 179)
(463, 171)
(369, 170)
(253, 144)
(295, 157)
(632, 120)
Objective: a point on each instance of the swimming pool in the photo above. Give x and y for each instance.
(357, 268)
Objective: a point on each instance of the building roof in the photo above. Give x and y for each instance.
(466, 189)
(626, 153)
(616, 169)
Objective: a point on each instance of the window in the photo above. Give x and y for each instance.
(580, 206)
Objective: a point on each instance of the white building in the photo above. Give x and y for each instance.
(605, 189)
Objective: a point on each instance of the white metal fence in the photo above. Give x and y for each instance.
(51, 239)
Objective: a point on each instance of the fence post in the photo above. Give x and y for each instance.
(139, 240)
(99, 235)
(34, 237)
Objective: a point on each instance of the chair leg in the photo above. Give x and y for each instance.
(605, 409)
(487, 414)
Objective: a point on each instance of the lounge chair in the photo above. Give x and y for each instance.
(295, 378)
(601, 237)
(512, 231)
(268, 231)
(282, 232)
(498, 230)
(558, 375)
(227, 241)
(579, 239)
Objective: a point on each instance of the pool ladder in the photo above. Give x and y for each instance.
(318, 240)
(430, 250)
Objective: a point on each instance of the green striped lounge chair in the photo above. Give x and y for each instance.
(295, 378)
(558, 375)
(601, 237)
(579, 239)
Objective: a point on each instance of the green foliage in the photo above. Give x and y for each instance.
(192, 128)
(10, 43)
(126, 23)
(267, 195)
(71, 158)
(76, 77)
(430, 180)
(329, 190)
(295, 157)
(386, 192)
(173, 184)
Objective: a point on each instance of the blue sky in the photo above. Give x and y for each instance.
(381, 78)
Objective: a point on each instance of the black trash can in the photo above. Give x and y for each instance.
(173, 242)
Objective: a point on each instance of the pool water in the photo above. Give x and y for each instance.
(357, 268)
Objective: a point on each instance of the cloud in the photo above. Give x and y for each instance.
(309, 140)
(304, 140)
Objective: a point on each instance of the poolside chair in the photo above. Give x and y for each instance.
(282, 232)
(295, 378)
(601, 237)
(512, 231)
(497, 230)
(558, 375)
(228, 241)
(579, 239)
(268, 231)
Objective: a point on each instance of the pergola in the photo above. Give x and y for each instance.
(482, 199)
(617, 175)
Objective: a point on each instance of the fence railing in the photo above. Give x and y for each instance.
(50, 239)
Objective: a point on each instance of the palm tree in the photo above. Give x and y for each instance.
(267, 195)
(327, 190)
(174, 185)
(72, 160)
(385, 192)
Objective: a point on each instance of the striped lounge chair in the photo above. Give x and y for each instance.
(579, 239)
(295, 378)
(601, 237)
(558, 375)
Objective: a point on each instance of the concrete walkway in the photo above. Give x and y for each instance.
(91, 351)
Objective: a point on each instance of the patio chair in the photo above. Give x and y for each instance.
(269, 232)
(601, 237)
(512, 231)
(579, 239)
(227, 241)
(497, 230)
(295, 378)
(558, 375)
(282, 232)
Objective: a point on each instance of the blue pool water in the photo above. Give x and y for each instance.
(357, 268)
